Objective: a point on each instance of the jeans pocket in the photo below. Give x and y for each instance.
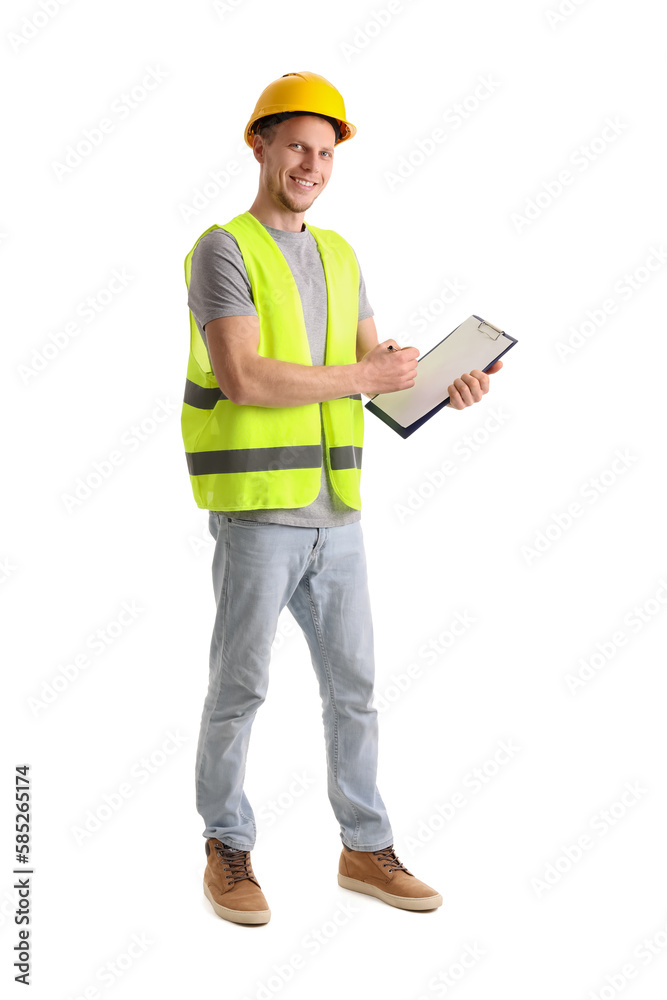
(241, 520)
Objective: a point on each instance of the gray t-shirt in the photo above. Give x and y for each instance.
(219, 286)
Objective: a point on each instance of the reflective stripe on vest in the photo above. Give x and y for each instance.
(245, 457)
(204, 463)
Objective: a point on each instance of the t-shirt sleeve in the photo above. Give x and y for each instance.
(219, 284)
(365, 309)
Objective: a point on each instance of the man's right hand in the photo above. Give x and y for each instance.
(388, 371)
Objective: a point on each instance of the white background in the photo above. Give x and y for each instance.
(493, 541)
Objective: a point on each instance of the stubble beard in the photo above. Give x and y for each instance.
(278, 193)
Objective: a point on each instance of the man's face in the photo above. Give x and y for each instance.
(302, 150)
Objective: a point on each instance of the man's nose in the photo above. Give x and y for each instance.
(309, 162)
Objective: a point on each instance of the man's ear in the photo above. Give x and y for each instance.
(258, 148)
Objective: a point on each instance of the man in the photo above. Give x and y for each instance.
(283, 343)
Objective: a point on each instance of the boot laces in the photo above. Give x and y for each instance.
(238, 862)
(389, 860)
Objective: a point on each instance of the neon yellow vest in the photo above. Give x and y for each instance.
(244, 457)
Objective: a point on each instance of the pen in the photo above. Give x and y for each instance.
(392, 348)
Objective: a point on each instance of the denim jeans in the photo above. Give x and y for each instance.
(320, 574)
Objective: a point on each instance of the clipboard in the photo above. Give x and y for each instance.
(475, 343)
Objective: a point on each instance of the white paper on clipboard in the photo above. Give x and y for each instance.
(475, 343)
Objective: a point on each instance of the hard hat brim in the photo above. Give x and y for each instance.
(347, 129)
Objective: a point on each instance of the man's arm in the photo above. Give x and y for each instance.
(367, 337)
(248, 378)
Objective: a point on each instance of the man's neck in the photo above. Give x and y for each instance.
(289, 222)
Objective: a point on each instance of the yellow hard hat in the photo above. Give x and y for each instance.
(306, 92)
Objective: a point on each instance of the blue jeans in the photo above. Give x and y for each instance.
(320, 574)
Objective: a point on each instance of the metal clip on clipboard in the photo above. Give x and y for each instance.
(487, 327)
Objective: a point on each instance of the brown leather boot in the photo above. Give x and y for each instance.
(231, 887)
(381, 874)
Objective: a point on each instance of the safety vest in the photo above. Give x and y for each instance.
(245, 457)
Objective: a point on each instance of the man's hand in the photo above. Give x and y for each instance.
(382, 370)
(470, 388)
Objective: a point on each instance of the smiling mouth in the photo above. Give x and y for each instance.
(306, 185)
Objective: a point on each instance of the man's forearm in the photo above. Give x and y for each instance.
(270, 382)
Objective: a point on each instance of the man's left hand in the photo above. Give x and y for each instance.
(471, 387)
